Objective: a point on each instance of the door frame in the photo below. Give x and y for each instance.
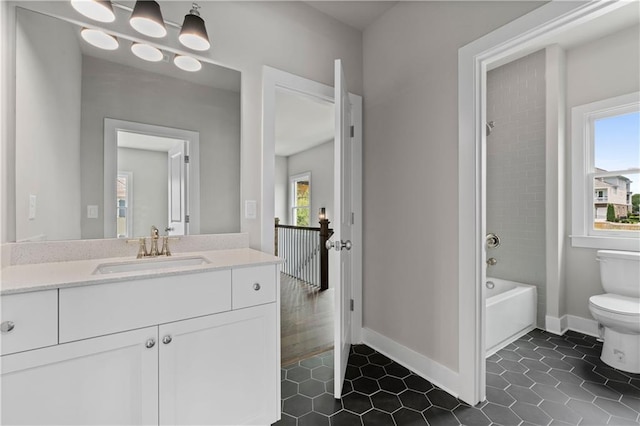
(518, 38)
(273, 79)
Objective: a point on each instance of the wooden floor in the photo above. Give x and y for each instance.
(306, 320)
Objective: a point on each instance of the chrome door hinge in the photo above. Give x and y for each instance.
(186, 159)
(186, 219)
(353, 131)
(351, 303)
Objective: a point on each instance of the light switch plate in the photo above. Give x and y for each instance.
(92, 212)
(250, 209)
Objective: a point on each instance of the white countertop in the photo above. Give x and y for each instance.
(45, 276)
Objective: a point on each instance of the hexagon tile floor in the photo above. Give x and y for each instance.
(541, 379)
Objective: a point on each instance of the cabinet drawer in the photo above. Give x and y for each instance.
(254, 286)
(103, 309)
(34, 317)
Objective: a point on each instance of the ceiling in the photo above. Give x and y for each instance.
(302, 122)
(356, 14)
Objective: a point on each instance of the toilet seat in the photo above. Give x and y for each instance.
(616, 304)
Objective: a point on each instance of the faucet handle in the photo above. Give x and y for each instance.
(142, 251)
(154, 232)
(165, 247)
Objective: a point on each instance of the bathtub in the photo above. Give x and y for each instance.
(510, 313)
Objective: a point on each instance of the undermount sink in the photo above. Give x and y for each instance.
(149, 264)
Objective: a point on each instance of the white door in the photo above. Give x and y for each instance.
(105, 380)
(221, 369)
(340, 258)
(177, 190)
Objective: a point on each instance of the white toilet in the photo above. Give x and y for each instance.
(618, 311)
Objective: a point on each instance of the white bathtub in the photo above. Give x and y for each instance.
(510, 313)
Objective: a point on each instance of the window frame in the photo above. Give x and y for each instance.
(293, 207)
(583, 173)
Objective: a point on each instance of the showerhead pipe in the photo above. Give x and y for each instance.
(489, 126)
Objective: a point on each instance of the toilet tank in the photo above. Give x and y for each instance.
(620, 272)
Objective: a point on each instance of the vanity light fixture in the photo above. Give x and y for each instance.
(194, 33)
(147, 52)
(146, 18)
(187, 63)
(99, 38)
(98, 10)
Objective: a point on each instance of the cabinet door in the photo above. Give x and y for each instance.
(106, 380)
(221, 369)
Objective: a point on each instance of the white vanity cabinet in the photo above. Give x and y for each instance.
(165, 350)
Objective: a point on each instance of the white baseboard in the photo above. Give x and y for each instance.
(560, 325)
(431, 370)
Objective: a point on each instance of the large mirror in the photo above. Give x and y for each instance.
(108, 144)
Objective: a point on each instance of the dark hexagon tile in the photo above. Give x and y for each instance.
(501, 415)
(494, 358)
(595, 360)
(534, 364)
(288, 388)
(523, 343)
(356, 402)
(560, 412)
(524, 395)
(496, 381)
(326, 404)
(322, 373)
(576, 392)
(442, 399)
(392, 384)
(414, 400)
(297, 405)
(328, 361)
(624, 388)
(619, 421)
(549, 353)
(566, 376)
(540, 377)
(557, 363)
(616, 408)
(578, 364)
(470, 416)
(438, 417)
(494, 367)
(569, 352)
(283, 374)
(543, 343)
(377, 418)
(379, 359)
(514, 366)
(539, 334)
(631, 402)
(611, 374)
(418, 383)
(312, 362)
(407, 417)
(591, 414)
(358, 360)
(373, 371)
(385, 401)
(550, 393)
(362, 350)
(601, 390)
(531, 413)
(345, 418)
(311, 388)
(298, 374)
(528, 353)
(561, 342)
(286, 420)
(365, 385)
(517, 379)
(510, 355)
(595, 351)
(313, 419)
(635, 382)
(397, 370)
(498, 396)
(580, 341)
(290, 366)
(347, 387)
(352, 372)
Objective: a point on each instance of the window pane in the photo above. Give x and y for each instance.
(616, 202)
(302, 217)
(617, 142)
(302, 193)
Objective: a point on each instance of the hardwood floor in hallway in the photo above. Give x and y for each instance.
(306, 320)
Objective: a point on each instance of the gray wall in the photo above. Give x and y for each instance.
(516, 173)
(602, 69)
(47, 130)
(169, 102)
(411, 168)
(150, 182)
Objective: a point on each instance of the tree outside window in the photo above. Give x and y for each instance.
(301, 199)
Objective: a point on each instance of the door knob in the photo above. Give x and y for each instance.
(338, 245)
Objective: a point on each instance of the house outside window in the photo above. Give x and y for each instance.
(606, 173)
(301, 199)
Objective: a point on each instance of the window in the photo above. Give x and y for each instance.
(606, 173)
(301, 199)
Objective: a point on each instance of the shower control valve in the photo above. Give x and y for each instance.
(493, 240)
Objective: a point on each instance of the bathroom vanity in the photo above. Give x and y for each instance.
(84, 342)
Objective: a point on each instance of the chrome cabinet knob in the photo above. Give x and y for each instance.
(7, 326)
(256, 286)
(166, 339)
(150, 343)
